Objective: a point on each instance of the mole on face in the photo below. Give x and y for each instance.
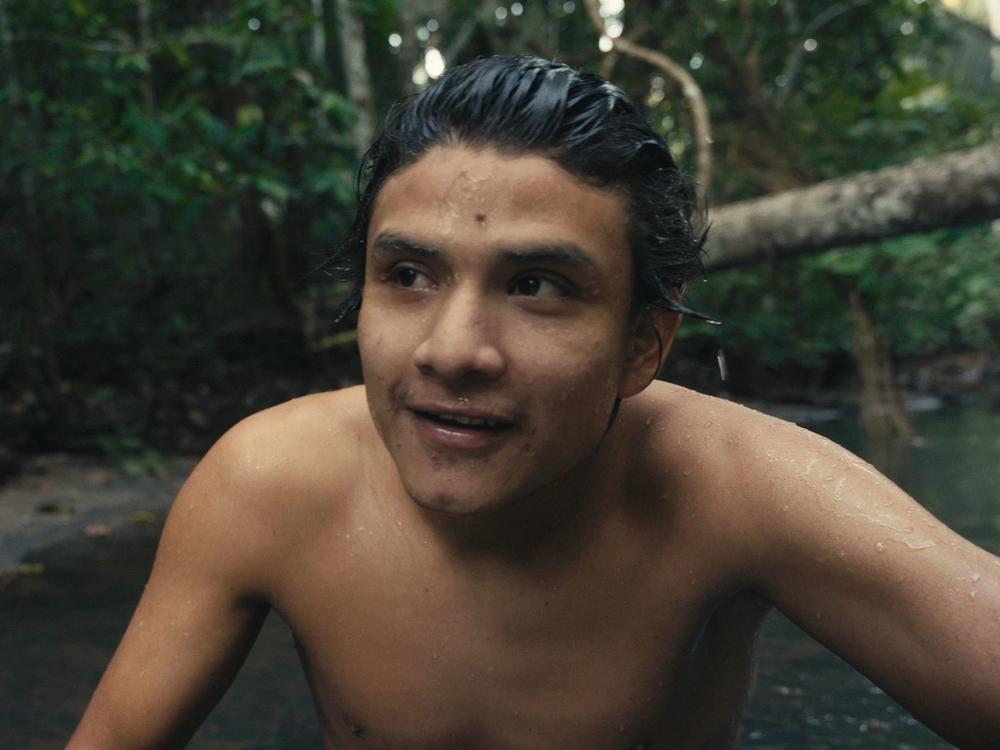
(480, 218)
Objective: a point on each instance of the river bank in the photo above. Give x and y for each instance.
(102, 479)
(184, 417)
(60, 497)
(56, 497)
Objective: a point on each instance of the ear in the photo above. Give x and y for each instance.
(653, 333)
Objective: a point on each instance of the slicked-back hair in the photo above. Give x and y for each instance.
(582, 122)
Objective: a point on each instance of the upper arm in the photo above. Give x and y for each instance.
(197, 618)
(870, 573)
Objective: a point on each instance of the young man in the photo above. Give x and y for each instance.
(478, 548)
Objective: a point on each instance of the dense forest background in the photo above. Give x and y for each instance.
(175, 174)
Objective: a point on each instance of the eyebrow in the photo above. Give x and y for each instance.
(389, 243)
(559, 254)
(567, 255)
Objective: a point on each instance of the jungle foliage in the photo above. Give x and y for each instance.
(174, 173)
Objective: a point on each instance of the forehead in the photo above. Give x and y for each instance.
(481, 197)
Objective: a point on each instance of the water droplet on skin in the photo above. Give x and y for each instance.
(976, 577)
(784, 507)
(879, 547)
(972, 594)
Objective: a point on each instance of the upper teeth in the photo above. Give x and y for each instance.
(472, 421)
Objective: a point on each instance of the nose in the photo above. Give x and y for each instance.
(461, 341)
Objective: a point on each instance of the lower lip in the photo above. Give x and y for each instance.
(456, 436)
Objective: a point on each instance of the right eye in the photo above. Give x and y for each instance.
(408, 277)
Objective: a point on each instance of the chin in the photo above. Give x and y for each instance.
(452, 507)
(452, 500)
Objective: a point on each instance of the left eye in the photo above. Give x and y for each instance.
(536, 286)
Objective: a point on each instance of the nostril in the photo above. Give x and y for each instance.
(461, 339)
(457, 358)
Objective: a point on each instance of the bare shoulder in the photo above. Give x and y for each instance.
(724, 443)
(742, 473)
(716, 439)
(226, 548)
(270, 478)
(294, 441)
(841, 550)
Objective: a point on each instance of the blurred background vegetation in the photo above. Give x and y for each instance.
(174, 174)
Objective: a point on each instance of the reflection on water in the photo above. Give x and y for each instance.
(58, 630)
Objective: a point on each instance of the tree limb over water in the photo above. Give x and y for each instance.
(957, 189)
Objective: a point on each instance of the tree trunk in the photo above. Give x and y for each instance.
(690, 88)
(145, 47)
(409, 50)
(359, 89)
(152, 221)
(883, 414)
(956, 189)
(317, 49)
(259, 242)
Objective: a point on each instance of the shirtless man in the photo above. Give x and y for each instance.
(478, 548)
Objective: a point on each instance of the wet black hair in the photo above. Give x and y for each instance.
(580, 121)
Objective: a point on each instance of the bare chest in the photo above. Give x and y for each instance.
(404, 651)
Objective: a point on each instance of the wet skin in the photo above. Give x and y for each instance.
(468, 557)
(498, 288)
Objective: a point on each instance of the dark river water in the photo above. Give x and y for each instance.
(58, 630)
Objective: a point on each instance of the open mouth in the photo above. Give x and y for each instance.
(460, 421)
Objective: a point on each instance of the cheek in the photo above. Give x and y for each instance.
(579, 376)
(370, 338)
(375, 350)
(379, 331)
(369, 341)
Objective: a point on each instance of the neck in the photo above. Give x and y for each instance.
(544, 527)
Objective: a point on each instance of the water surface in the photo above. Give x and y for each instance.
(808, 698)
(58, 629)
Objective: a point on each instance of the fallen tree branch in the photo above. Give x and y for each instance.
(956, 189)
